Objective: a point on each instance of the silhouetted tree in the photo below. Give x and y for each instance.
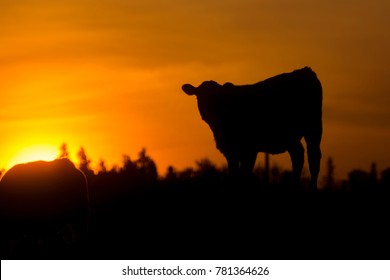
(146, 166)
(128, 166)
(128, 175)
(329, 177)
(171, 174)
(64, 153)
(359, 180)
(102, 166)
(373, 176)
(115, 169)
(84, 162)
(187, 174)
(205, 168)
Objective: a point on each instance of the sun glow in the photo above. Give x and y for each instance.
(34, 153)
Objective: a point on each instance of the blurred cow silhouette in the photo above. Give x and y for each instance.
(270, 116)
(44, 209)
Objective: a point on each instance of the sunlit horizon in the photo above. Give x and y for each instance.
(33, 153)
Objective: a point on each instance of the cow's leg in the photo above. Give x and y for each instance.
(297, 152)
(313, 141)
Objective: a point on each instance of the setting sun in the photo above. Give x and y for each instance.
(34, 153)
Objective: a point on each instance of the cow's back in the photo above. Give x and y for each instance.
(298, 91)
(272, 113)
(40, 190)
(43, 202)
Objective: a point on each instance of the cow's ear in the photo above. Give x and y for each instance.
(189, 89)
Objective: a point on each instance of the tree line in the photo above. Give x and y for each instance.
(143, 172)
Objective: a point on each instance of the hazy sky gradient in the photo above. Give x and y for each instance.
(107, 75)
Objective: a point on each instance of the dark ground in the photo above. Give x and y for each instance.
(226, 222)
(246, 224)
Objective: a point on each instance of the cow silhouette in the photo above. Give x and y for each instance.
(271, 116)
(44, 202)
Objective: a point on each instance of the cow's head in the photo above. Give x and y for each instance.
(210, 96)
(207, 88)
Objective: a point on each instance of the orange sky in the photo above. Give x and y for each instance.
(107, 75)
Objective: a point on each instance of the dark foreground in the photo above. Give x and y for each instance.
(225, 222)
